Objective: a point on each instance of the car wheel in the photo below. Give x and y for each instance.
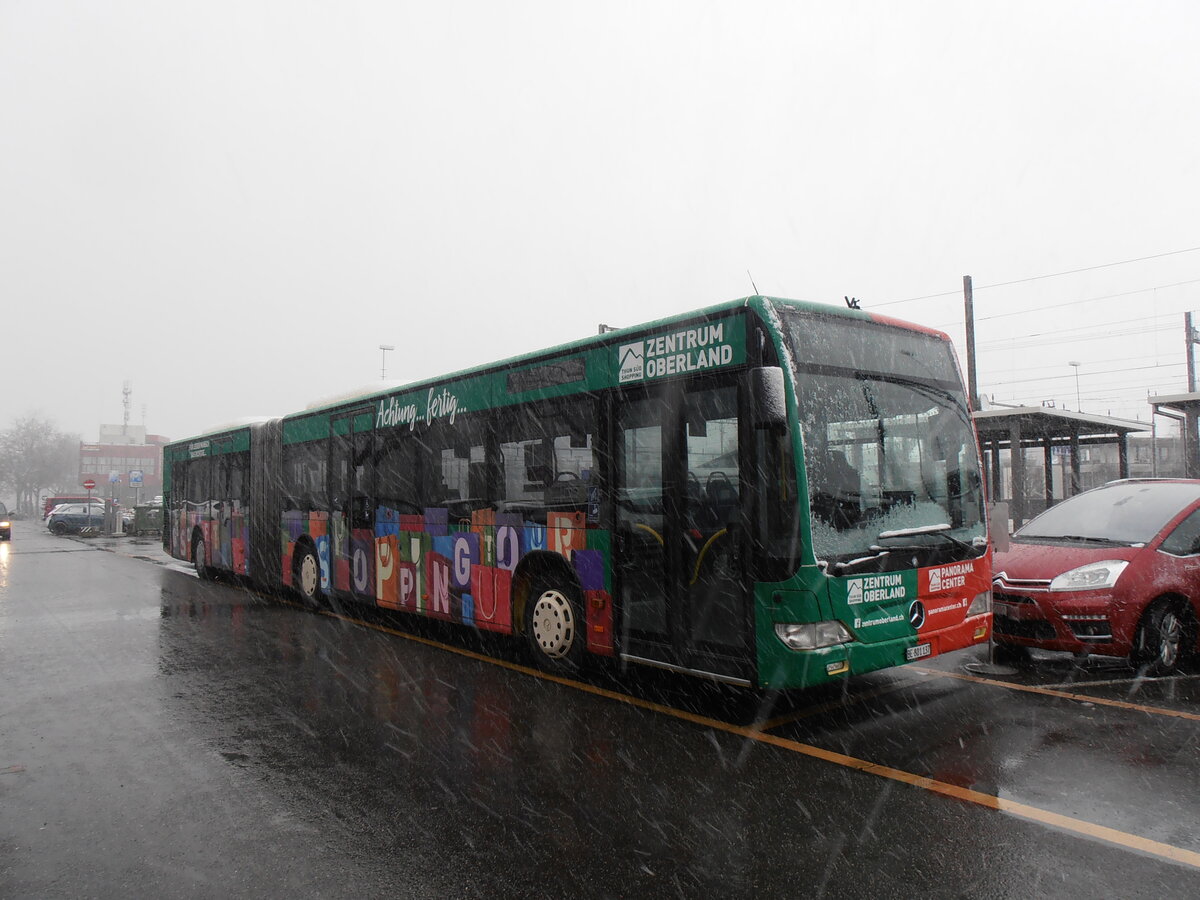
(58, 528)
(555, 626)
(306, 577)
(1163, 640)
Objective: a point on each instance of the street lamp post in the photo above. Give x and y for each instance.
(384, 348)
(1078, 406)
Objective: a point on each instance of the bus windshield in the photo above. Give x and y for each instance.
(888, 440)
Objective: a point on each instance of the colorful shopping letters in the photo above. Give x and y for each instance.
(459, 571)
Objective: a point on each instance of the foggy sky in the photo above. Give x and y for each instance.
(232, 204)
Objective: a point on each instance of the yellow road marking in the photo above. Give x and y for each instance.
(1064, 695)
(1021, 810)
(1136, 679)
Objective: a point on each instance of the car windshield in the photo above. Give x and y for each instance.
(1130, 512)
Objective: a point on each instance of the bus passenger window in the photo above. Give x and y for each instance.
(459, 479)
(397, 466)
(546, 461)
(712, 457)
(304, 469)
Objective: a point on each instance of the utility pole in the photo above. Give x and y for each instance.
(1191, 420)
(1190, 337)
(969, 301)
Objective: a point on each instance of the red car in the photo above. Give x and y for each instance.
(1113, 571)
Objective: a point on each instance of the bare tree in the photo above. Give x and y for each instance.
(34, 456)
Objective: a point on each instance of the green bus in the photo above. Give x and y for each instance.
(765, 492)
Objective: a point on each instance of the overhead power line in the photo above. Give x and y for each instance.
(1141, 357)
(1043, 379)
(1051, 339)
(983, 287)
(1057, 305)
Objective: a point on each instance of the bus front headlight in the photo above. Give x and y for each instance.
(812, 635)
(981, 604)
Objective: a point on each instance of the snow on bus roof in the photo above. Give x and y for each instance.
(765, 304)
(381, 387)
(231, 425)
(609, 336)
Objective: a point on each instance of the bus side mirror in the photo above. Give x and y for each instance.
(767, 397)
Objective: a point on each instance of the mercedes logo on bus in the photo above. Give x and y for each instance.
(916, 614)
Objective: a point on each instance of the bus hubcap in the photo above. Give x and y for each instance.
(308, 576)
(553, 624)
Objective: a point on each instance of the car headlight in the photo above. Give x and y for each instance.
(812, 635)
(1095, 575)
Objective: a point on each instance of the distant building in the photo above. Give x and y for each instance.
(124, 454)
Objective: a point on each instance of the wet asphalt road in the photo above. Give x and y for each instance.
(166, 737)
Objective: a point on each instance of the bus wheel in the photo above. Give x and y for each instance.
(199, 554)
(307, 577)
(555, 627)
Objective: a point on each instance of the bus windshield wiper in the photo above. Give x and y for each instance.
(941, 530)
(843, 568)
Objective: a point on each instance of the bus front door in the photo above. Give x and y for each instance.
(680, 579)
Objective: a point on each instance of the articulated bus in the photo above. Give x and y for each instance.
(767, 493)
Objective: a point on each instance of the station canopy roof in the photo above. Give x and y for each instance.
(1178, 403)
(1038, 422)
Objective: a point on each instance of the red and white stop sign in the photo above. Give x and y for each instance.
(89, 485)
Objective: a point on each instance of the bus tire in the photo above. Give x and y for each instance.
(306, 577)
(555, 626)
(199, 554)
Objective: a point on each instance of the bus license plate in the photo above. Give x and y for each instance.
(920, 651)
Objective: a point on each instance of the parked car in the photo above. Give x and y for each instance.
(48, 503)
(75, 518)
(1113, 571)
(5, 524)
